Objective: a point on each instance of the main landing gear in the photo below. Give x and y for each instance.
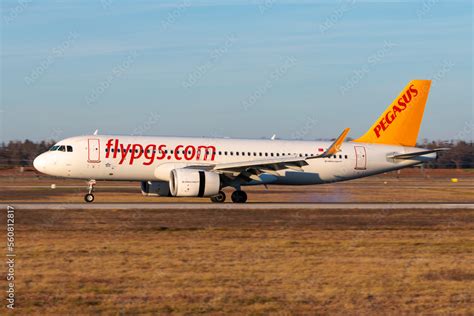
(89, 197)
(237, 197)
(219, 198)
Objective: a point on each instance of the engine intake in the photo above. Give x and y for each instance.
(192, 182)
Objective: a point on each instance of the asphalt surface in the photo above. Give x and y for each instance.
(233, 206)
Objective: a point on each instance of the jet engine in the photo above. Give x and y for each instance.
(155, 188)
(193, 182)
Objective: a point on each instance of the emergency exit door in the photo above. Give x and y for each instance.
(93, 150)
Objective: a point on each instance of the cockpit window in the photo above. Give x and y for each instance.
(64, 148)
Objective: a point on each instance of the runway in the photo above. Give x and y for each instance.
(232, 206)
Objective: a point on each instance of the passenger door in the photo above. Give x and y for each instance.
(93, 146)
(361, 158)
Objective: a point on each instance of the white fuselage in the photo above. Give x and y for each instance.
(146, 158)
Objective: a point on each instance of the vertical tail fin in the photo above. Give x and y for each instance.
(400, 123)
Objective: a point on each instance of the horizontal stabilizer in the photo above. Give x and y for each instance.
(417, 153)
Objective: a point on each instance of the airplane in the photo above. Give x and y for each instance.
(202, 167)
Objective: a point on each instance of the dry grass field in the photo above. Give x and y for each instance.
(252, 262)
(244, 262)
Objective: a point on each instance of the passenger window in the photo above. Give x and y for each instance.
(69, 149)
(236, 153)
(340, 156)
(345, 156)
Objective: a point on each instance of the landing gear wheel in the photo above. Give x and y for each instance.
(239, 196)
(89, 198)
(219, 198)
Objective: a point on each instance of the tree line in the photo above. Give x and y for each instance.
(460, 155)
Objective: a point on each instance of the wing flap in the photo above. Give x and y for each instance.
(273, 164)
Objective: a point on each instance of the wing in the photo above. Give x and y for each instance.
(253, 168)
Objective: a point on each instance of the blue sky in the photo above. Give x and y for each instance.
(299, 69)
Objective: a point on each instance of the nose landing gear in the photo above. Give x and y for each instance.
(89, 197)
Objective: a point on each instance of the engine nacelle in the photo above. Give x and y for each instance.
(155, 188)
(192, 182)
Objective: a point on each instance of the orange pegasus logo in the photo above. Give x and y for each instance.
(394, 127)
(392, 113)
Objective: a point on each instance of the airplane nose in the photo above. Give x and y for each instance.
(40, 163)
